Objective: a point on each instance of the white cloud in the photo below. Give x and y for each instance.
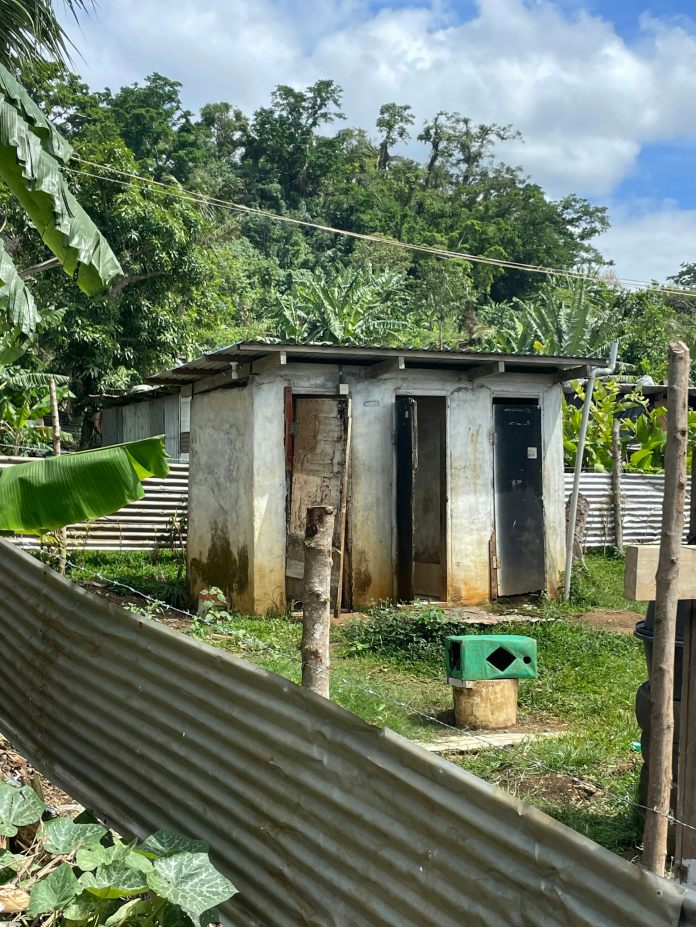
(585, 99)
(651, 245)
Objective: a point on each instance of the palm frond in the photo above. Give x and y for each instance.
(30, 31)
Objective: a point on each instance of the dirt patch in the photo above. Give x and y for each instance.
(16, 769)
(559, 789)
(169, 616)
(623, 622)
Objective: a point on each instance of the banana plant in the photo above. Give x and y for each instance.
(32, 153)
(24, 401)
(45, 495)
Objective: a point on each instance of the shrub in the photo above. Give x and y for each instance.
(78, 871)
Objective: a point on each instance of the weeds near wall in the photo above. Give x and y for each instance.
(78, 872)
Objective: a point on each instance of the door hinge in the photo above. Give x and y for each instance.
(495, 563)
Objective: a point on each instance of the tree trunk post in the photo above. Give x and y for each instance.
(616, 470)
(316, 617)
(55, 436)
(582, 513)
(666, 593)
(685, 854)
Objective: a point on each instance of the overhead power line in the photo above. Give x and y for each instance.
(182, 193)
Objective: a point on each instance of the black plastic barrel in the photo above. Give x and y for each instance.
(645, 631)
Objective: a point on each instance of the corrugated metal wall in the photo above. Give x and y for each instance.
(153, 521)
(319, 818)
(642, 507)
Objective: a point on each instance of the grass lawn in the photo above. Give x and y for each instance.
(389, 671)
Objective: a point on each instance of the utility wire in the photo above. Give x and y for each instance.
(203, 199)
(273, 650)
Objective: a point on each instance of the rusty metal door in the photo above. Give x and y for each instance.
(406, 466)
(519, 507)
(316, 444)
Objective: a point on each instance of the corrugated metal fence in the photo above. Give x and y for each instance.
(642, 507)
(156, 520)
(319, 818)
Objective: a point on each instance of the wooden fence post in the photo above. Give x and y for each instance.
(666, 598)
(617, 467)
(316, 617)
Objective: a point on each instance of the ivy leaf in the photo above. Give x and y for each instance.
(13, 861)
(168, 842)
(63, 835)
(190, 881)
(115, 880)
(18, 806)
(118, 855)
(89, 858)
(82, 907)
(131, 909)
(53, 892)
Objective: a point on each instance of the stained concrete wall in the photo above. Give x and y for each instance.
(238, 441)
(220, 545)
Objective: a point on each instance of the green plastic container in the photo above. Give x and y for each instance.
(490, 656)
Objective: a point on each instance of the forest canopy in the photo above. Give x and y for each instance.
(198, 274)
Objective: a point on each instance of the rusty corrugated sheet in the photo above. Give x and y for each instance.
(319, 818)
(642, 507)
(153, 521)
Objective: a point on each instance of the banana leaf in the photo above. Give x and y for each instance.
(17, 307)
(34, 177)
(51, 139)
(47, 494)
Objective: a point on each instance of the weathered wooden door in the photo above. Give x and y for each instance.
(317, 476)
(406, 466)
(519, 507)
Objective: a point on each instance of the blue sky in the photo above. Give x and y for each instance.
(604, 91)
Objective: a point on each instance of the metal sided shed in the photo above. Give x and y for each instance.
(143, 413)
(445, 469)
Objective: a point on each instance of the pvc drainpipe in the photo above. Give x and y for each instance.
(572, 517)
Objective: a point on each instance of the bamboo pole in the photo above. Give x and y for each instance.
(617, 467)
(55, 436)
(316, 607)
(666, 579)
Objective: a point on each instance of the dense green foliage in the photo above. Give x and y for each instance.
(642, 432)
(199, 273)
(79, 872)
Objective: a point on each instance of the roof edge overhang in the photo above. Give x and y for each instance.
(238, 360)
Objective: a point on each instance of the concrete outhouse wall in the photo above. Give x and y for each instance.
(237, 507)
(220, 544)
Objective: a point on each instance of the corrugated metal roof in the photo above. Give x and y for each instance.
(250, 351)
(320, 819)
